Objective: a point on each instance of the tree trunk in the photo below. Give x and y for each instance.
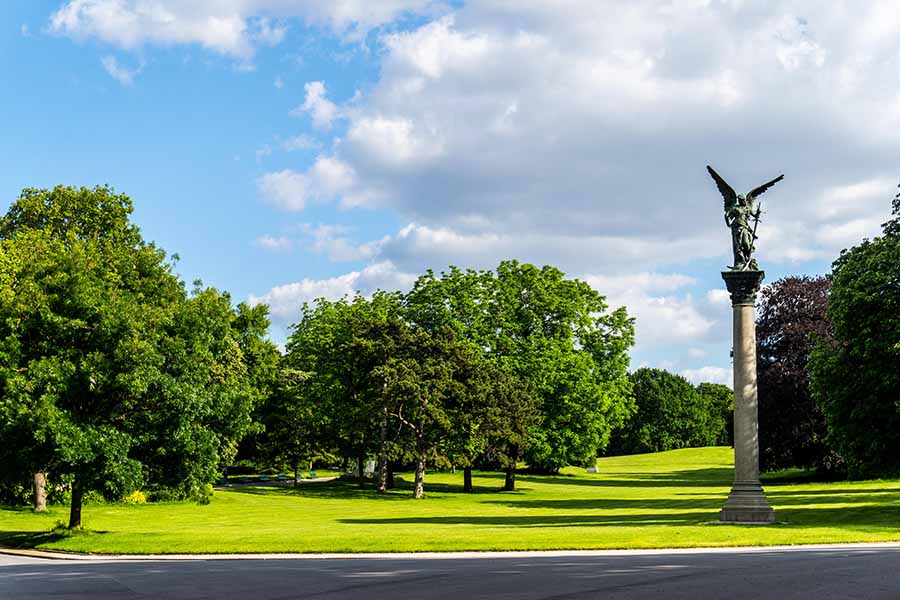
(390, 476)
(75, 508)
(419, 488)
(382, 454)
(510, 484)
(39, 489)
(360, 464)
(467, 480)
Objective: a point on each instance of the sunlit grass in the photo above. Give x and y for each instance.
(670, 499)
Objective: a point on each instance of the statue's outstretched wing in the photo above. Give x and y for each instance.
(725, 189)
(758, 191)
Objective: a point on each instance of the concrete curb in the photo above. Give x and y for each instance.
(450, 555)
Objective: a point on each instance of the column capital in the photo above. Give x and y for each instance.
(743, 286)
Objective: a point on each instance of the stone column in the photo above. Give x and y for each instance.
(747, 502)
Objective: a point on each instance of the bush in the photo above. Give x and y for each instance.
(135, 497)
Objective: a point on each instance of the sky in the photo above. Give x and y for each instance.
(292, 149)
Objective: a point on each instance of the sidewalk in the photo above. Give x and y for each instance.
(448, 555)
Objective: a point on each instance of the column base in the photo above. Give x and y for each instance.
(747, 504)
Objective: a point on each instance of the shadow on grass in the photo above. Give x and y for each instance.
(712, 501)
(870, 518)
(638, 520)
(32, 539)
(711, 477)
(347, 490)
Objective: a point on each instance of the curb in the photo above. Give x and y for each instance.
(46, 555)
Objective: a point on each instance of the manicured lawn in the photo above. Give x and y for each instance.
(648, 501)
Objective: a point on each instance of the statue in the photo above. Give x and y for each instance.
(739, 210)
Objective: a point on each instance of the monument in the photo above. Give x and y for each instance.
(747, 502)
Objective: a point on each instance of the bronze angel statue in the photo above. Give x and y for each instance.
(740, 209)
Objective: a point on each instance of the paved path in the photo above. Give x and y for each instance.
(819, 573)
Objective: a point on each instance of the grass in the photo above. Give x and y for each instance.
(649, 501)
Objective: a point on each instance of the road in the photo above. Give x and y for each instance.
(820, 573)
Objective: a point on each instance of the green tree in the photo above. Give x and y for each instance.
(557, 335)
(855, 376)
(333, 343)
(719, 401)
(432, 381)
(670, 414)
(116, 376)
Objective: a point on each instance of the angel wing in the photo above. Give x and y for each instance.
(758, 191)
(725, 189)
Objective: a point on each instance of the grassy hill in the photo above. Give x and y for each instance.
(669, 499)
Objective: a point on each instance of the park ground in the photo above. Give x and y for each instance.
(664, 500)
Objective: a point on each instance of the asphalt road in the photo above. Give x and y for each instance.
(819, 573)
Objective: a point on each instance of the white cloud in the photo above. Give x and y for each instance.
(593, 147)
(285, 301)
(322, 110)
(327, 179)
(718, 297)
(285, 189)
(333, 241)
(275, 243)
(119, 72)
(229, 27)
(708, 375)
(299, 142)
(278, 83)
(269, 33)
(661, 316)
(24, 31)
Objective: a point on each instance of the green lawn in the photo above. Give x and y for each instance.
(649, 501)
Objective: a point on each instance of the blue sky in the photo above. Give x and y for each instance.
(287, 149)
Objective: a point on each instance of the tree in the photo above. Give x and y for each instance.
(855, 378)
(110, 371)
(719, 401)
(430, 383)
(335, 344)
(670, 414)
(792, 315)
(557, 335)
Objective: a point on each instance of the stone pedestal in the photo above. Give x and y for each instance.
(747, 502)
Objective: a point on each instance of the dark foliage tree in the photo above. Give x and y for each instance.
(791, 317)
(856, 376)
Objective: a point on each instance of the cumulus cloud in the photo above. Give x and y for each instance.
(230, 27)
(662, 314)
(328, 178)
(285, 301)
(708, 375)
(321, 110)
(333, 241)
(594, 145)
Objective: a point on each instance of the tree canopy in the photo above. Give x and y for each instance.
(111, 375)
(791, 317)
(855, 376)
(671, 413)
